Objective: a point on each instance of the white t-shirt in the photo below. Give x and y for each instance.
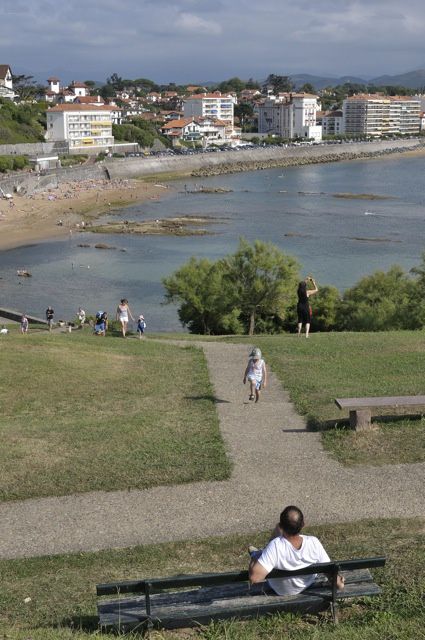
(280, 554)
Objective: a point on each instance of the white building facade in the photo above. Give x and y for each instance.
(82, 126)
(289, 116)
(376, 115)
(212, 105)
(6, 82)
(333, 123)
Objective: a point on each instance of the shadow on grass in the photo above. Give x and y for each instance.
(209, 397)
(313, 424)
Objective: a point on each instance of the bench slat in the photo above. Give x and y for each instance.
(380, 401)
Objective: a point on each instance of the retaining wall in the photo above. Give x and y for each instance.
(27, 183)
(34, 149)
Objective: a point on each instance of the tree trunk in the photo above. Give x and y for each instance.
(251, 323)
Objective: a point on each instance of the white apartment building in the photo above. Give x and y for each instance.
(378, 115)
(211, 105)
(332, 123)
(6, 82)
(289, 116)
(80, 125)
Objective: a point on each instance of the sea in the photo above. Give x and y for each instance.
(299, 209)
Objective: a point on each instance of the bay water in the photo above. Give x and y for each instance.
(336, 239)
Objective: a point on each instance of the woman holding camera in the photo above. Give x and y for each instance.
(303, 306)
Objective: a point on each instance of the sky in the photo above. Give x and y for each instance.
(190, 41)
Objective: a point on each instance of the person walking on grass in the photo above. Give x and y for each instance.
(256, 374)
(303, 305)
(49, 317)
(24, 324)
(141, 326)
(123, 311)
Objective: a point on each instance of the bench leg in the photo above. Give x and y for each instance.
(361, 420)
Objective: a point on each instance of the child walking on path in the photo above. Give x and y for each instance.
(256, 374)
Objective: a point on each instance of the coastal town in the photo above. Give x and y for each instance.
(82, 118)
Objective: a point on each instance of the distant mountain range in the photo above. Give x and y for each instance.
(411, 80)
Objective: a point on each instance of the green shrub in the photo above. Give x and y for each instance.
(19, 162)
(6, 164)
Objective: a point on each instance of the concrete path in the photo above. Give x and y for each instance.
(276, 462)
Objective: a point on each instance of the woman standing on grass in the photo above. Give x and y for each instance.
(303, 306)
(123, 311)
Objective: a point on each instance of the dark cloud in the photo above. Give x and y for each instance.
(192, 40)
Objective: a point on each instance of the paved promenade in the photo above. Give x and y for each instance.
(276, 461)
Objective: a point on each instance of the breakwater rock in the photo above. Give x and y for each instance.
(291, 161)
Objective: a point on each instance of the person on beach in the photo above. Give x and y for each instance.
(24, 324)
(288, 550)
(49, 317)
(81, 316)
(123, 311)
(303, 305)
(256, 374)
(141, 326)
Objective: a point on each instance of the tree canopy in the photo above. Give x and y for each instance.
(233, 295)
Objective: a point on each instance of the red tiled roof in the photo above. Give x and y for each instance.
(3, 70)
(53, 79)
(80, 107)
(178, 124)
(89, 100)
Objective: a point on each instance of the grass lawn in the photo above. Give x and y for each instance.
(62, 588)
(81, 413)
(332, 365)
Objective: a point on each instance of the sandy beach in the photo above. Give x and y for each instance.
(61, 211)
(28, 219)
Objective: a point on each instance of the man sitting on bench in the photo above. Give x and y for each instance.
(288, 550)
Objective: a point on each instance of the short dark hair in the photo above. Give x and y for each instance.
(291, 520)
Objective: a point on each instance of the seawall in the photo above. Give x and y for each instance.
(204, 164)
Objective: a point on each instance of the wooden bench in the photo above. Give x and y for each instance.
(173, 602)
(360, 408)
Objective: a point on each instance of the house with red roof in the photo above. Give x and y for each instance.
(196, 129)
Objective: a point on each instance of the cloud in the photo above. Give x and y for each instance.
(195, 40)
(194, 24)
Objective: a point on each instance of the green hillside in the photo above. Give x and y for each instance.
(21, 123)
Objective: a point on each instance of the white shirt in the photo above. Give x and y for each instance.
(280, 554)
(255, 369)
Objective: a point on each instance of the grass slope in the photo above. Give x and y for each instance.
(62, 593)
(81, 413)
(332, 365)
